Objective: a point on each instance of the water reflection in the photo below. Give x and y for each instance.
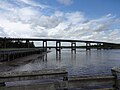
(73, 54)
(88, 53)
(58, 55)
(77, 62)
(45, 57)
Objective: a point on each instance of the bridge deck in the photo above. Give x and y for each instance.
(61, 40)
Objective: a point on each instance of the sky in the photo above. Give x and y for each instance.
(96, 20)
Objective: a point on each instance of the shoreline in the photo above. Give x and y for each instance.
(11, 65)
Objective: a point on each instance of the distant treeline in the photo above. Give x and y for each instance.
(16, 44)
(104, 46)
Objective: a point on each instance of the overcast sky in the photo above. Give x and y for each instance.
(97, 20)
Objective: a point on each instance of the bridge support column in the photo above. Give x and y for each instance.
(45, 45)
(58, 46)
(88, 46)
(73, 46)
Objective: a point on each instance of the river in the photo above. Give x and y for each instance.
(81, 62)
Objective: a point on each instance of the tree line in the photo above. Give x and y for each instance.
(16, 44)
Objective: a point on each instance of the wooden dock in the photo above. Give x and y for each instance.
(11, 54)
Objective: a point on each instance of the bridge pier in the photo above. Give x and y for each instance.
(73, 46)
(88, 46)
(45, 45)
(58, 46)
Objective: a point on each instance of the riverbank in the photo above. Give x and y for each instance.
(11, 54)
(11, 65)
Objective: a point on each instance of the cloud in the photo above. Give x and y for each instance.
(2, 32)
(83, 29)
(34, 4)
(5, 5)
(29, 21)
(65, 2)
(12, 5)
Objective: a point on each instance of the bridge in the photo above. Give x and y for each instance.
(58, 42)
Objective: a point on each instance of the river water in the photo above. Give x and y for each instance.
(81, 62)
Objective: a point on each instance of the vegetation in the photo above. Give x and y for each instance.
(104, 46)
(16, 44)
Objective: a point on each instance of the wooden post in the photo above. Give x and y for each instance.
(65, 79)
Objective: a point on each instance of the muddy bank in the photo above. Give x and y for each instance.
(11, 65)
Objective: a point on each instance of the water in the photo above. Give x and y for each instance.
(81, 62)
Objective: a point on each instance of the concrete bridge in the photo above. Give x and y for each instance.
(58, 42)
